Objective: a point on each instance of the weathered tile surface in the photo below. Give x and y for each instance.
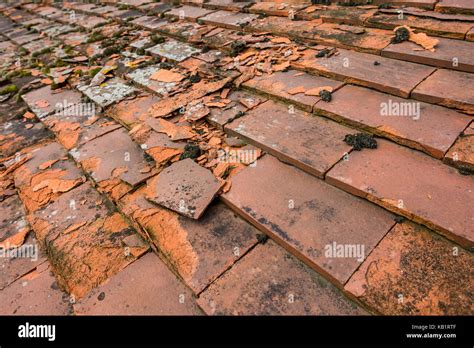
(109, 92)
(146, 287)
(391, 75)
(270, 281)
(415, 272)
(36, 293)
(44, 101)
(86, 241)
(429, 128)
(280, 84)
(448, 88)
(433, 194)
(450, 54)
(306, 215)
(199, 250)
(173, 50)
(184, 187)
(311, 143)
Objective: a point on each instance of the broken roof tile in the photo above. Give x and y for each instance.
(280, 84)
(109, 92)
(113, 156)
(76, 230)
(173, 50)
(199, 250)
(184, 187)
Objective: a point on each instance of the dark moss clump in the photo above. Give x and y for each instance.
(401, 34)
(195, 78)
(322, 53)
(325, 96)
(360, 140)
(191, 151)
(156, 39)
(237, 47)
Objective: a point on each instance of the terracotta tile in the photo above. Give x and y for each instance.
(313, 144)
(158, 145)
(378, 176)
(428, 4)
(430, 26)
(221, 116)
(199, 250)
(270, 281)
(184, 187)
(146, 287)
(43, 101)
(337, 14)
(132, 111)
(16, 262)
(432, 129)
(455, 6)
(18, 134)
(85, 240)
(279, 83)
(461, 155)
(450, 54)
(229, 5)
(415, 272)
(227, 19)
(447, 87)
(276, 9)
(190, 32)
(359, 68)
(74, 126)
(470, 35)
(366, 40)
(198, 90)
(109, 92)
(114, 157)
(286, 27)
(307, 216)
(173, 50)
(149, 22)
(144, 77)
(37, 293)
(188, 12)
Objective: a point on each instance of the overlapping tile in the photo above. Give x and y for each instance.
(115, 162)
(433, 194)
(36, 293)
(270, 281)
(415, 272)
(308, 216)
(448, 88)
(359, 68)
(146, 287)
(423, 126)
(312, 144)
(450, 54)
(199, 250)
(85, 240)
